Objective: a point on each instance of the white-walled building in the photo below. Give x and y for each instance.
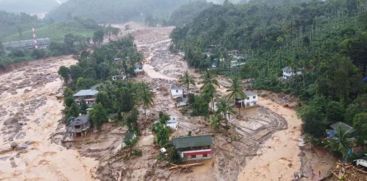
(289, 72)
(249, 101)
(177, 92)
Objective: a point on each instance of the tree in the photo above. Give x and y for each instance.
(187, 80)
(73, 110)
(236, 91)
(224, 109)
(98, 115)
(98, 37)
(209, 83)
(341, 143)
(162, 134)
(360, 124)
(146, 97)
(215, 120)
(83, 107)
(64, 72)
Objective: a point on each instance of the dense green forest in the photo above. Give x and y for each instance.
(112, 11)
(324, 40)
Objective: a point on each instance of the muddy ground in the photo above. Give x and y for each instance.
(29, 115)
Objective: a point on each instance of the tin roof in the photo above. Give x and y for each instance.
(192, 141)
(342, 126)
(81, 120)
(88, 92)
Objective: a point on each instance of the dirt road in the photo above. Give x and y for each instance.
(29, 115)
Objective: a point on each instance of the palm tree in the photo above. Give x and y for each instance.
(146, 97)
(236, 91)
(214, 120)
(224, 109)
(208, 88)
(187, 80)
(341, 142)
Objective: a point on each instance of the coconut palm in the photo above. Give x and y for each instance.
(236, 91)
(209, 84)
(341, 142)
(224, 109)
(146, 97)
(214, 120)
(187, 80)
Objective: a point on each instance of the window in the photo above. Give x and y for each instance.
(254, 97)
(205, 155)
(193, 156)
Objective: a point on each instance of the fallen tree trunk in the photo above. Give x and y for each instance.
(185, 166)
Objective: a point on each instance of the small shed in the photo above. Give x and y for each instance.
(79, 126)
(289, 72)
(194, 147)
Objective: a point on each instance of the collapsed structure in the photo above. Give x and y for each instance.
(78, 126)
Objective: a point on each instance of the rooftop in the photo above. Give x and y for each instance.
(342, 126)
(88, 92)
(192, 141)
(250, 93)
(81, 120)
(176, 87)
(287, 69)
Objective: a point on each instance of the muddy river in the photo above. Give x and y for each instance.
(29, 115)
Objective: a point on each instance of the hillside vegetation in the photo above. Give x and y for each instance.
(112, 11)
(324, 40)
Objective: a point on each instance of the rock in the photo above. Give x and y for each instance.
(13, 145)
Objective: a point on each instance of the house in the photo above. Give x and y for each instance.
(336, 126)
(289, 72)
(193, 147)
(249, 101)
(88, 96)
(138, 69)
(177, 92)
(78, 126)
(172, 123)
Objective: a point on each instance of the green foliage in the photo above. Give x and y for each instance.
(64, 72)
(146, 96)
(214, 120)
(98, 37)
(172, 154)
(98, 116)
(73, 110)
(187, 80)
(360, 124)
(199, 105)
(341, 144)
(162, 133)
(132, 120)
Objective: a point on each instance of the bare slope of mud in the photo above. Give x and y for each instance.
(29, 115)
